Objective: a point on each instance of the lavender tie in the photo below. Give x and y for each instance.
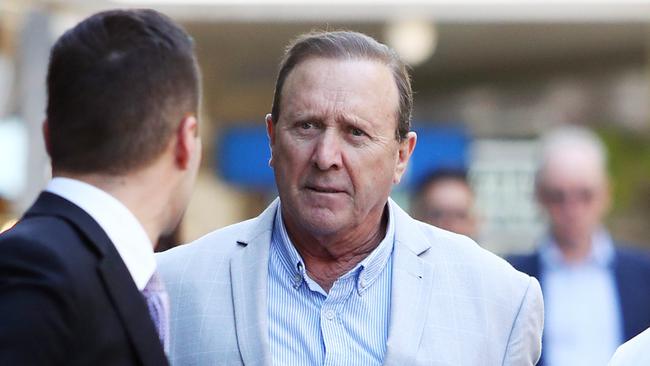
(158, 304)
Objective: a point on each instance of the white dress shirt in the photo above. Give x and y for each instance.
(122, 227)
(583, 324)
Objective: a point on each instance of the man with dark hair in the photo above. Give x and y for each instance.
(78, 282)
(334, 272)
(445, 199)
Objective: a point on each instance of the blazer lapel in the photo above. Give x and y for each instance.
(132, 309)
(127, 300)
(411, 291)
(249, 278)
(627, 283)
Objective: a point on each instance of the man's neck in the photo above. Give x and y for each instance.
(135, 191)
(328, 258)
(576, 250)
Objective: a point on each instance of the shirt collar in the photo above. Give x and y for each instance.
(121, 226)
(601, 253)
(369, 268)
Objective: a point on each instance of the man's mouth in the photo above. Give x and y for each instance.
(324, 189)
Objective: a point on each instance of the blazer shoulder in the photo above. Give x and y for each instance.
(36, 244)
(48, 236)
(448, 247)
(626, 255)
(50, 251)
(219, 245)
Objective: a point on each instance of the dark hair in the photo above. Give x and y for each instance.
(347, 45)
(118, 85)
(439, 175)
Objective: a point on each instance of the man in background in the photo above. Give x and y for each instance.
(596, 292)
(445, 199)
(78, 283)
(334, 272)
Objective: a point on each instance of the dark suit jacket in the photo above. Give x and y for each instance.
(66, 297)
(632, 274)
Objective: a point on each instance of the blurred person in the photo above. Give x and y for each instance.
(334, 272)
(445, 199)
(596, 293)
(78, 283)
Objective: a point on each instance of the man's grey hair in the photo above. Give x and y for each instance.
(568, 139)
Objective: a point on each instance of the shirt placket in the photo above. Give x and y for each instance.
(332, 329)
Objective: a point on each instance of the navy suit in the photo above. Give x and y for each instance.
(632, 274)
(66, 297)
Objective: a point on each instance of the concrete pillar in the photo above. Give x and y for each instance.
(32, 59)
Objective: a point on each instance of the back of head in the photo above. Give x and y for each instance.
(347, 45)
(118, 85)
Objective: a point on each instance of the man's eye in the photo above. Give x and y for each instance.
(357, 132)
(306, 125)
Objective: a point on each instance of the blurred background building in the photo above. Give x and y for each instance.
(489, 76)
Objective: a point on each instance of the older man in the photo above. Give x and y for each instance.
(597, 294)
(334, 272)
(78, 283)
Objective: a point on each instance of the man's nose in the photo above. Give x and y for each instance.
(327, 152)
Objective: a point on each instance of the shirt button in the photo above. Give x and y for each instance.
(297, 278)
(362, 283)
(329, 314)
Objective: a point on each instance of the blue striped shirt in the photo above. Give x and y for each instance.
(347, 326)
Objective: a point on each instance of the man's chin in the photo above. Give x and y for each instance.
(321, 222)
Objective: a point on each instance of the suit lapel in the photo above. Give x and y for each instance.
(249, 278)
(127, 300)
(131, 307)
(411, 291)
(627, 285)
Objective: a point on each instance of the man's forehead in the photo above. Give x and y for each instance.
(574, 170)
(319, 70)
(339, 80)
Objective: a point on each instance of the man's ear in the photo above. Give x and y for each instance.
(270, 132)
(187, 142)
(46, 136)
(406, 147)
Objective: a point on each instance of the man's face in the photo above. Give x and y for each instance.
(334, 150)
(449, 204)
(573, 191)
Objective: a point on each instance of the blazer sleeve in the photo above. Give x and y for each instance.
(525, 342)
(36, 311)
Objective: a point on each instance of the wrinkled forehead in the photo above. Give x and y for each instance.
(340, 81)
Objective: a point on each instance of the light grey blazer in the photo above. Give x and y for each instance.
(452, 302)
(633, 352)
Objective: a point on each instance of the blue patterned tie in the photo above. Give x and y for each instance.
(158, 304)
